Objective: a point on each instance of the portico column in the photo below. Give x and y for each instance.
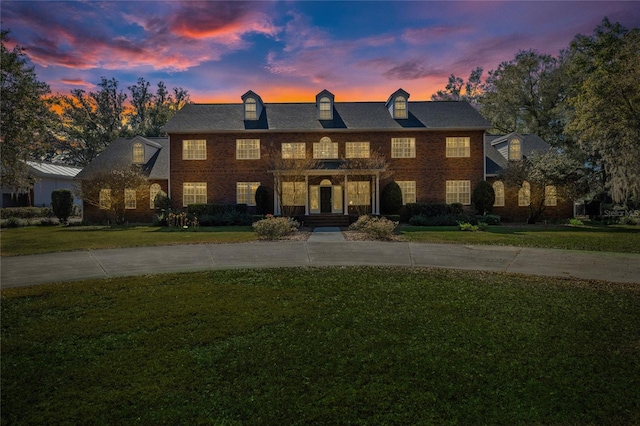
(377, 185)
(306, 200)
(276, 197)
(345, 197)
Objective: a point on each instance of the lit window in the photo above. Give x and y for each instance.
(246, 193)
(357, 149)
(194, 150)
(359, 193)
(105, 199)
(524, 194)
(294, 193)
(498, 189)
(154, 189)
(129, 199)
(400, 107)
(408, 188)
(458, 147)
(459, 191)
(194, 193)
(550, 196)
(294, 150)
(138, 153)
(403, 148)
(325, 149)
(248, 149)
(326, 112)
(515, 149)
(250, 109)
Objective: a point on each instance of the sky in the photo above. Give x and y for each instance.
(288, 51)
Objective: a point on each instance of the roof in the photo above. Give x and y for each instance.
(205, 118)
(119, 155)
(496, 149)
(41, 169)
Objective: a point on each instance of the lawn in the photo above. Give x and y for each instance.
(43, 239)
(618, 238)
(322, 346)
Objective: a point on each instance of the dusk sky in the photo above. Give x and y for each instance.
(291, 50)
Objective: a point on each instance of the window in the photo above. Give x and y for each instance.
(153, 191)
(129, 199)
(408, 188)
(138, 153)
(294, 150)
(458, 191)
(357, 149)
(458, 147)
(105, 199)
(194, 150)
(400, 107)
(498, 189)
(359, 193)
(524, 194)
(248, 149)
(326, 112)
(403, 148)
(325, 149)
(250, 109)
(550, 196)
(246, 193)
(194, 193)
(515, 149)
(294, 193)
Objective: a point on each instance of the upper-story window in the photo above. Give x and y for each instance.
(247, 149)
(250, 109)
(325, 149)
(194, 149)
(515, 149)
(138, 153)
(295, 150)
(403, 148)
(357, 150)
(325, 109)
(400, 107)
(458, 147)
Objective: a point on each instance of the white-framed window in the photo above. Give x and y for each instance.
(295, 150)
(104, 199)
(400, 107)
(458, 147)
(550, 195)
(498, 189)
(357, 150)
(359, 193)
(294, 193)
(325, 149)
(194, 149)
(194, 193)
(246, 193)
(130, 199)
(403, 148)
(247, 149)
(326, 112)
(250, 109)
(138, 153)
(154, 189)
(515, 149)
(458, 191)
(408, 188)
(524, 194)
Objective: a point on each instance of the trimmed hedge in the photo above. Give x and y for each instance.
(25, 212)
(432, 209)
(453, 220)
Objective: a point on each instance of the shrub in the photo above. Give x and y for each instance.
(13, 222)
(263, 200)
(25, 212)
(49, 221)
(443, 220)
(273, 228)
(489, 219)
(391, 198)
(483, 197)
(575, 222)
(62, 204)
(377, 227)
(466, 226)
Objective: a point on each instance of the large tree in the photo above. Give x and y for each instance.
(150, 111)
(26, 120)
(459, 90)
(605, 69)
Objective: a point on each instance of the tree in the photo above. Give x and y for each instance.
(26, 120)
(483, 197)
(263, 198)
(473, 89)
(391, 198)
(62, 204)
(605, 69)
(111, 190)
(364, 170)
(289, 182)
(150, 111)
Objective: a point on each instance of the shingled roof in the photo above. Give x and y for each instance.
(496, 149)
(205, 118)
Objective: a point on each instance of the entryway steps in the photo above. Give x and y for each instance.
(313, 221)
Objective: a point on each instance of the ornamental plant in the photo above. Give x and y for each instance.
(273, 228)
(379, 228)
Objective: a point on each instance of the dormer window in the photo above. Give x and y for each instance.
(138, 153)
(515, 150)
(324, 104)
(398, 105)
(252, 106)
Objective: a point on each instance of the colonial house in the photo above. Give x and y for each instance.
(513, 203)
(305, 154)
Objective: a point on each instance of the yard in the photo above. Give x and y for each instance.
(324, 346)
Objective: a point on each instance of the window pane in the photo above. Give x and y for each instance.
(408, 189)
(250, 109)
(138, 153)
(357, 150)
(194, 150)
(294, 150)
(498, 189)
(458, 191)
(325, 149)
(194, 193)
(514, 150)
(403, 147)
(458, 147)
(129, 199)
(153, 191)
(400, 107)
(248, 149)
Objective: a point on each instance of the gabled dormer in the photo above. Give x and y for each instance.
(398, 105)
(511, 146)
(142, 149)
(324, 105)
(253, 106)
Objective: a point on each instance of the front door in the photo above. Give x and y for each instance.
(325, 199)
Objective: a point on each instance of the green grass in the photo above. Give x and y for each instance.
(35, 240)
(624, 239)
(322, 346)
